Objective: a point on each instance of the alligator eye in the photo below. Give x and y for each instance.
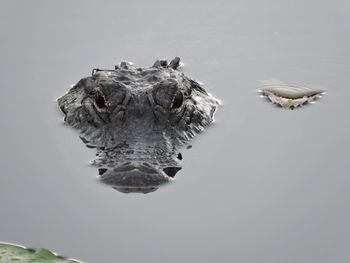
(177, 101)
(100, 101)
(168, 94)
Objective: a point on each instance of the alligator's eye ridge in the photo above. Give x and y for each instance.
(100, 101)
(177, 101)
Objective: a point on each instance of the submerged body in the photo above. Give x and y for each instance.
(136, 118)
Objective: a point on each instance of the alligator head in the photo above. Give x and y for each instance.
(136, 118)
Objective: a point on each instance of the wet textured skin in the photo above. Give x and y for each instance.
(137, 118)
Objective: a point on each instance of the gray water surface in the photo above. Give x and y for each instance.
(262, 184)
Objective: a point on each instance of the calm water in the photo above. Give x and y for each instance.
(262, 184)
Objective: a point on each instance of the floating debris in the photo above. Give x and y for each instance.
(14, 253)
(289, 95)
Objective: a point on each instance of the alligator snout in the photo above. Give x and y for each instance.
(137, 177)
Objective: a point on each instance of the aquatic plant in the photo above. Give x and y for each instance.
(12, 253)
(289, 95)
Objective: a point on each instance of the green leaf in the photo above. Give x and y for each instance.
(288, 95)
(11, 253)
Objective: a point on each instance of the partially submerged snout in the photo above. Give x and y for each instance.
(137, 177)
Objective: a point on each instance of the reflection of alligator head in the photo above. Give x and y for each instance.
(136, 118)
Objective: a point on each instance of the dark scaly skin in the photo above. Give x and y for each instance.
(136, 118)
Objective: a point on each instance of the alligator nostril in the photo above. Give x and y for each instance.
(101, 171)
(171, 171)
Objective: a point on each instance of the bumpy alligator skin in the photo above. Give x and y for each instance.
(137, 118)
